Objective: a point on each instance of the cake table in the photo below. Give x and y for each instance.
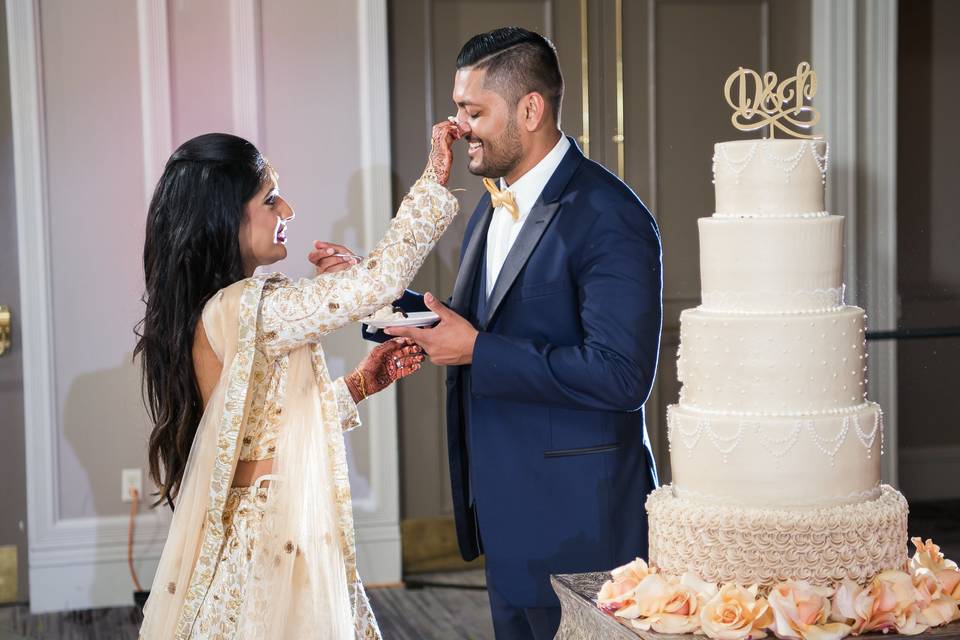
(582, 620)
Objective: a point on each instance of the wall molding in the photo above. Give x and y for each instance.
(246, 68)
(153, 41)
(878, 192)
(26, 88)
(378, 519)
(854, 55)
(55, 542)
(834, 58)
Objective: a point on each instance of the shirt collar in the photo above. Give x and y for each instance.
(530, 185)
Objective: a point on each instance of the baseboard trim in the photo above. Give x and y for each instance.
(89, 575)
(929, 473)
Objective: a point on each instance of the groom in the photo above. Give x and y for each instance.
(550, 339)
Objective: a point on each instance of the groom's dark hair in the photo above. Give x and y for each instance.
(517, 61)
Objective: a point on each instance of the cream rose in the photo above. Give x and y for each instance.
(637, 570)
(666, 605)
(618, 593)
(735, 613)
(928, 556)
(890, 602)
(801, 612)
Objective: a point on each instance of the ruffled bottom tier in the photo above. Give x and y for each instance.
(725, 543)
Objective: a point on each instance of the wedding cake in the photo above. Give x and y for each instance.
(774, 447)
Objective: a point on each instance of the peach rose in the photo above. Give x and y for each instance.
(618, 593)
(666, 605)
(801, 612)
(936, 608)
(735, 613)
(928, 556)
(890, 602)
(637, 570)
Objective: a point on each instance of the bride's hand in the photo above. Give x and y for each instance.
(330, 258)
(441, 154)
(387, 363)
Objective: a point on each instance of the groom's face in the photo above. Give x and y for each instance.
(490, 123)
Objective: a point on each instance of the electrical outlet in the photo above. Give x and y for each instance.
(131, 478)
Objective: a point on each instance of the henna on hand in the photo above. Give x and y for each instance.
(390, 362)
(441, 156)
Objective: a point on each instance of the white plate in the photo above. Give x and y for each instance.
(415, 319)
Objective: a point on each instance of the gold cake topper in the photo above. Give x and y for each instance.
(781, 106)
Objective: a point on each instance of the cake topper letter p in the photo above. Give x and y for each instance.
(761, 101)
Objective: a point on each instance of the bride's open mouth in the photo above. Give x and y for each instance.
(280, 233)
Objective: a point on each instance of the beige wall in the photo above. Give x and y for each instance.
(283, 73)
(928, 233)
(96, 195)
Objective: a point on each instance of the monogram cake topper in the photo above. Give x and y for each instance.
(758, 101)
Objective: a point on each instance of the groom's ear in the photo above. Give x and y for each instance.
(532, 111)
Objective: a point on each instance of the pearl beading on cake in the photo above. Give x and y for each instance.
(836, 411)
(772, 216)
(849, 498)
(829, 446)
(786, 164)
(830, 299)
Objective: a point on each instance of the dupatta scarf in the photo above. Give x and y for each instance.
(303, 579)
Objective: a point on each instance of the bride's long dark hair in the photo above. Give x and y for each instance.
(192, 250)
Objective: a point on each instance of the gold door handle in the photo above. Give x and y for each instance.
(4, 328)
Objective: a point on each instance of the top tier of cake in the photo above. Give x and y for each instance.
(770, 178)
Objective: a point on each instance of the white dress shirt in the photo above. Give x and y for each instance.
(526, 190)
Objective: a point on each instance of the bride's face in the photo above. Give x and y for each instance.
(263, 232)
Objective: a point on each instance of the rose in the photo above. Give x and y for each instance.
(637, 569)
(890, 602)
(667, 605)
(735, 613)
(801, 612)
(936, 608)
(928, 556)
(617, 593)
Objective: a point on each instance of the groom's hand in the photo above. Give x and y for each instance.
(449, 343)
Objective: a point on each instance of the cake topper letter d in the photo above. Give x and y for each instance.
(760, 101)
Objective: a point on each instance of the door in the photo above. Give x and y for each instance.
(13, 477)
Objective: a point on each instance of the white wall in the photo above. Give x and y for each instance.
(103, 91)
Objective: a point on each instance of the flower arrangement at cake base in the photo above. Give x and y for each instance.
(923, 594)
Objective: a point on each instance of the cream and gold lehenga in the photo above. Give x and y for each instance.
(279, 561)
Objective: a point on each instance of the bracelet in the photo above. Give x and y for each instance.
(361, 385)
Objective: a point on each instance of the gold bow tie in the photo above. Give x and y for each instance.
(503, 198)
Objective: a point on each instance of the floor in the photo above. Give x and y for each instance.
(442, 606)
(447, 606)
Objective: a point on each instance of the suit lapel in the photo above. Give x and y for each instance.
(533, 229)
(460, 300)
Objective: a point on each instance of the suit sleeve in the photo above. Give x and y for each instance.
(619, 285)
(409, 302)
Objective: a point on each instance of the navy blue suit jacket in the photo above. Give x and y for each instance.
(546, 434)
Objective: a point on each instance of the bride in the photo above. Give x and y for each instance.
(247, 445)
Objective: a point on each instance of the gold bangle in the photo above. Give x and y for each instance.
(361, 385)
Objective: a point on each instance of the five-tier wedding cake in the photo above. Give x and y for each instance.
(775, 449)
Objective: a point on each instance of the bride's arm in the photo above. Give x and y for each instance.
(293, 313)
